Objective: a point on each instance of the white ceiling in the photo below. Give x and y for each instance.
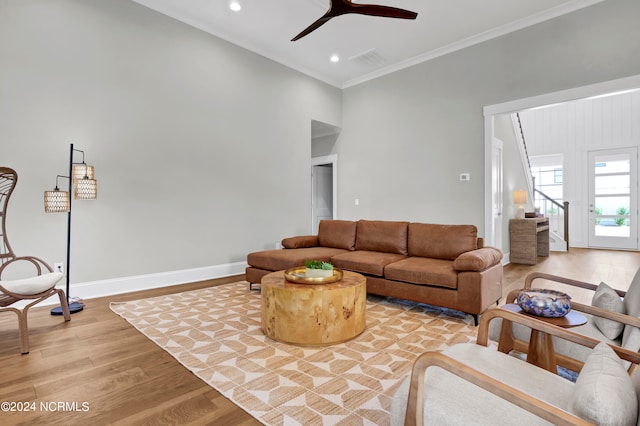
(368, 46)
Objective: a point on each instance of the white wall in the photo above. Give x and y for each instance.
(323, 145)
(407, 136)
(202, 149)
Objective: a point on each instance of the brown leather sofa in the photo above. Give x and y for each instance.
(440, 265)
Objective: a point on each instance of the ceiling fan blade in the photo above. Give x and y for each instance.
(384, 11)
(342, 7)
(312, 27)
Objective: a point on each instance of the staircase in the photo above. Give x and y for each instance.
(558, 213)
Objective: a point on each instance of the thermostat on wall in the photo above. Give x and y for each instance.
(465, 177)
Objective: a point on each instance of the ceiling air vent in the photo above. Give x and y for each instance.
(370, 58)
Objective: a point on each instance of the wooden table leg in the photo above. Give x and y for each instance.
(541, 351)
(506, 340)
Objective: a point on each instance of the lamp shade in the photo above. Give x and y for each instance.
(82, 170)
(520, 197)
(86, 189)
(56, 201)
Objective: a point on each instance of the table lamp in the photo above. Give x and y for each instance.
(520, 198)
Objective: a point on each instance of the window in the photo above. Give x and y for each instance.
(548, 175)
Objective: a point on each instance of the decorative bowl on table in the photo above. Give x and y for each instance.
(298, 275)
(544, 302)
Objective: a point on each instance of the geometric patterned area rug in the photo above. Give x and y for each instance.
(216, 334)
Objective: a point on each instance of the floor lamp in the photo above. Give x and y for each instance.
(82, 182)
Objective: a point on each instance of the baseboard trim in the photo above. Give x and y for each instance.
(102, 288)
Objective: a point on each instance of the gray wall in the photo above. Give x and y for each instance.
(407, 136)
(202, 149)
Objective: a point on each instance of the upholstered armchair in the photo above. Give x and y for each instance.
(475, 384)
(613, 317)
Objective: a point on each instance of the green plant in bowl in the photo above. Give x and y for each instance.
(318, 268)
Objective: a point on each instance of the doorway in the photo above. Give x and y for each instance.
(491, 111)
(323, 190)
(497, 192)
(613, 213)
(324, 173)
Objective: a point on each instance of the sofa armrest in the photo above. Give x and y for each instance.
(477, 260)
(302, 241)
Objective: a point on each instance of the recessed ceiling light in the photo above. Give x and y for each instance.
(235, 5)
(334, 58)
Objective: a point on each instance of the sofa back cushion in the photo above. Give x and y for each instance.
(337, 234)
(383, 236)
(441, 241)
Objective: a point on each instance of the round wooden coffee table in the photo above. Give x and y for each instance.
(313, 314)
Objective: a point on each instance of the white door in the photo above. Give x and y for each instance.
(497, 193)
(613, 212)
(322, 194)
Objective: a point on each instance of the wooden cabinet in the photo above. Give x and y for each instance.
(529, 238)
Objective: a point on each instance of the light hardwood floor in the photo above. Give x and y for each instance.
(616, 268)
(98, 358)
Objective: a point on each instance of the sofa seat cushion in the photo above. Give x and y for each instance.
(450, 400)
(421, 270)
(365, 262)
(383, 236)
(441, 241)
(277, 260)
(339, 234)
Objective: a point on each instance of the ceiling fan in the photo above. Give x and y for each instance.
(342, 7)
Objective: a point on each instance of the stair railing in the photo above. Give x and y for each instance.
(556, 212)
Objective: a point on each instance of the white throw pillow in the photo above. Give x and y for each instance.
(632, 298)
(606, 298)
(604, 393)
(631, 338)
(631, 335)
(635, 379)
